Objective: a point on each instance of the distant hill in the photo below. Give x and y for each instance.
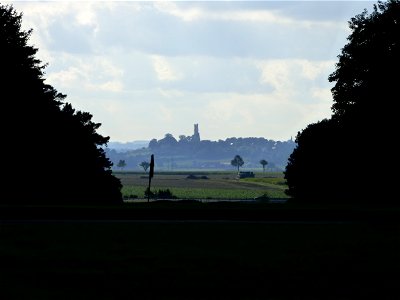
(128, 146)
(190, 152)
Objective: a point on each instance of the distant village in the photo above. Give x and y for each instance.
(190, 152)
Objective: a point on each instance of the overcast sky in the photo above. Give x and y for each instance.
(144, 69)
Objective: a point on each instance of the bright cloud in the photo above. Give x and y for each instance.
(164, 70)
(172, 8)
(289, 76)
(261, 114)
(89, 73)
(195, 14)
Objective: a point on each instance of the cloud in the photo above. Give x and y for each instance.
(109, 86)
(164, 70)
(265, 14)
(183, 29)
(90, 73)
(286, 75)
(275, 73)
(322, 94)
(259, 115)
(170, 93)
(207, 74)
(313, 69)
(165, 114)
(189, 14)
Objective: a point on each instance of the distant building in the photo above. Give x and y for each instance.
(196, 134)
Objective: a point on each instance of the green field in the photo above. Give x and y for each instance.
(219, 185)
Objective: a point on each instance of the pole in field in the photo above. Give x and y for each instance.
(151, 174)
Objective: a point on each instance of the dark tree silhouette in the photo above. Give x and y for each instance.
(237, 161)
(331, 158)
(313, 172)
(63, 157)
(145, 165)
(121, 164)
(263, 162)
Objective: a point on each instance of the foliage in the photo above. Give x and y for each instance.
(131, 196)
(364, 115)
(263, 198)
(165, 194)
(121, 164)
(237, 161)
(211, 155)
(160, 194)
(263, 162)
(149, 194)
(64, 151)
(145, 165)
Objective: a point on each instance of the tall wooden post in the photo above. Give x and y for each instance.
(151, 174)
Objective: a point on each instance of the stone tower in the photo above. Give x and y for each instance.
(196, 134)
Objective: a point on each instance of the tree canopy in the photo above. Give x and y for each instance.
(212, 154)
(121, 164)
(145, 165)
(237, 161)
(332, 157)
(263, 162)
(58, 155)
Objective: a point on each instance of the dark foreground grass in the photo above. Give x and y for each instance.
(198, 260)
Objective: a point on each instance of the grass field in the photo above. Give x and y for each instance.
(176, 260)
(219, 185)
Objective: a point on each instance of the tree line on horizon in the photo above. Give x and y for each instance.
(237, 162)
(184, 153)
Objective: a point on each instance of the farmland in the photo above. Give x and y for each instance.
(206, 185)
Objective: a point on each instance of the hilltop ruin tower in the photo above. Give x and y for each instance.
(196, 134)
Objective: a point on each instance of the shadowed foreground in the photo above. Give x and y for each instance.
(198, 260)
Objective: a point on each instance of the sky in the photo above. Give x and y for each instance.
(238, 69)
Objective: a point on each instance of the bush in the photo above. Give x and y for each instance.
(165, 194)
(192, 176)
(262, 198)
(149, 194)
